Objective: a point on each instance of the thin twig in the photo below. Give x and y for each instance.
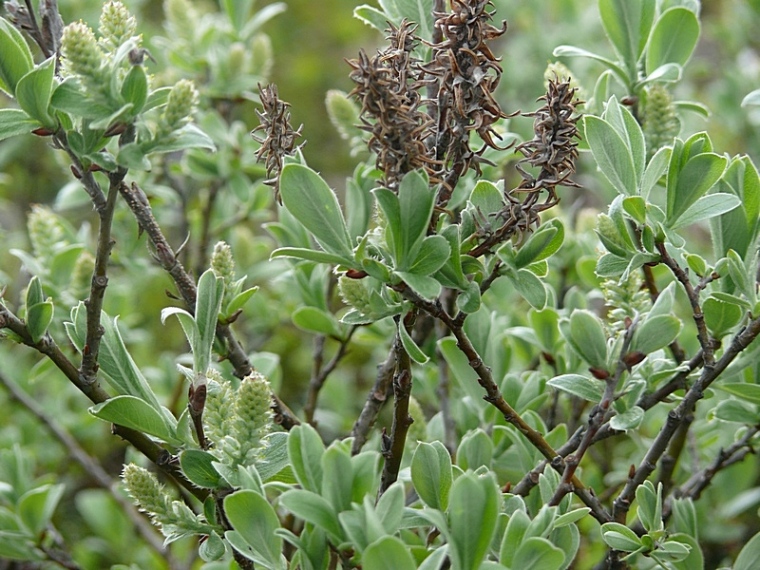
(393, 446)
(94, 303)
(92, 467)
(145, 445)
(375, 400)
(623, 502)
(320, 373)
(165, 255)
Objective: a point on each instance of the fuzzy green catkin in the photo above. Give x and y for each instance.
(181, 17)
(661, 124)
(354, 294)
(625, 300)
(216, 413)
(223, 265)
(83, 57)
(45, 233)
(183, 99)
(117, 26)
(252, 414)
(147, 492)
(81, 276)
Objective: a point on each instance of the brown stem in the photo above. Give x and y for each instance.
(201, 257)
(393, 446)
(91, 467)
(145, 445)
(94, 304)
(165, 255)
(735, 453)
(320, 373)
(375, 400)
(708, 350)
(623, 502)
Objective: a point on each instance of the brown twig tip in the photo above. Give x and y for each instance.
(554, 148)
(387, 87)
(280, 137)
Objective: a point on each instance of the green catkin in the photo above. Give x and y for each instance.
(117, 26)
(45, 233)
(661, 124)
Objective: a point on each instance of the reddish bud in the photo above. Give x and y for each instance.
(42, 132)
(356, 274)
(633, 358)
(599, 373)
(75, 172)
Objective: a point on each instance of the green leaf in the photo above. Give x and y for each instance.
(337, 478)
(655, 333)
(185, 319)
(69, 97)
(473, 509)
(530, 287)
(133, 157)
(305, 450)
(586, 337)
(649, 502)
(630, 419)
(426, 287)
(431, 474)
(673, 38)
(34, 90)
(312, 508)
(746, 392)
(628, 25)
(695, 559)
(578, 385)
(388, 553)
(692, 182)
(121, 370)
(707, 207)
(410, 346)
(16, 60)
(38, 319)
(134, 90)
(657, 166)
(433, 254)
(487, 198)
(239, 301)
(315, 320)
(752, 98)
(620, 537)
(572, 51)
(571, 517)
(541, 244)
(537, 553)
(612, 154)
(749, 557)
(312, 255)
(737, 412)
(475, 449)
(14, 122)
(134, 413)
(197, 467)
(35, 508)
(390, 508)
(721, 317)
(372, 17)
(623, 121)
(311, 201)
(415, 200)
(636, 207)
(255, 521)
(207, 306)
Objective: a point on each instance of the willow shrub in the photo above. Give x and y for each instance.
(562, 385)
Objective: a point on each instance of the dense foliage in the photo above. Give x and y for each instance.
(507, 340)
